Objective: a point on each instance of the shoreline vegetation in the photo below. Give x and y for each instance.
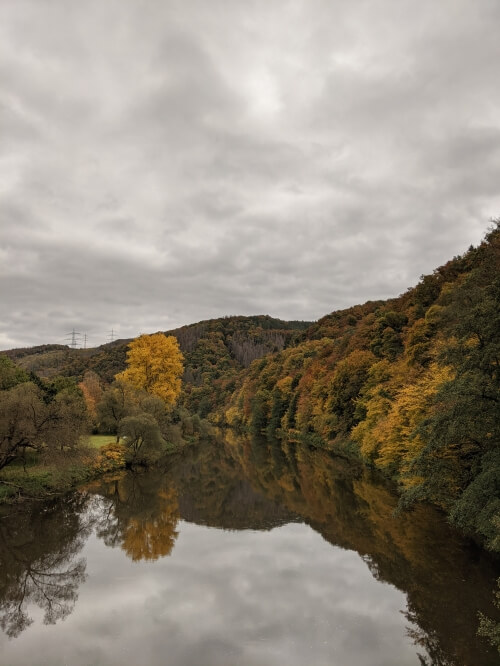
(409, 386)
(44, 424)
(100, 455)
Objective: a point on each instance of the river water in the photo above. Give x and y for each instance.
(241, 552)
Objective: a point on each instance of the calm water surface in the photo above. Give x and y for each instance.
(240, 553)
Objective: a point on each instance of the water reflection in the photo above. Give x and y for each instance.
(139, 513)
(446, 579)
(239, 484)
(39, 565)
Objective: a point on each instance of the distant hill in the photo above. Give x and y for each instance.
(51, 360)
(213, 349)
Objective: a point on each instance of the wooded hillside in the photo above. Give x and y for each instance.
(215, 351)
(410, 385)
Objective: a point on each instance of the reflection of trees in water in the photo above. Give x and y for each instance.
(242, 483)
(214, 491)
(39, 545)
(140, 511)
(239, 484)
(55, 592)
(140, 514)
(446, 579)
(38, 548)
(429, 641)
(153, 537)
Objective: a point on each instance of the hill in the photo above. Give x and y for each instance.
(215, 351)
(410, 385)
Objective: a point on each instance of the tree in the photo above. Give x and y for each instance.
(142, 437)
(116, 402)
(348, 379)
(69, 420)
(155, 365)
(91, 388)
(279, 406)
(259, 413)
(24, 421)
(462, 431)
(10, 374)
(28, 422)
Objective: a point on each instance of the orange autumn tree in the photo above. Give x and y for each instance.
(91, 388)
(155, 364)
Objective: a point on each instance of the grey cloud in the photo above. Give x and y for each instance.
(163, 163)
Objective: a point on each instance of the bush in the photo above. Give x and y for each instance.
(111, 457)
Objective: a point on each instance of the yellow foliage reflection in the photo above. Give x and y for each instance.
(152, 538)
(141, 516)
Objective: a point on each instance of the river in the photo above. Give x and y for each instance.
(240, 552)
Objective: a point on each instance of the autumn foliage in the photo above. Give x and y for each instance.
(154, 363)
(410, 385)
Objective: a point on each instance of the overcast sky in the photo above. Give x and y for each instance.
(167, 162)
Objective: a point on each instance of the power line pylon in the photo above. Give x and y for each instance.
(73, 335)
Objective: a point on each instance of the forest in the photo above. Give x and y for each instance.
(409, 386)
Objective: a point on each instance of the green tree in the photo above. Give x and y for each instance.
(10, 374)
(348, 379)
(292, 411)
(462, 432)
(489, 628)
(28, 422)
(278, 408)
(258, 413)
(142, 437)
(116, 402)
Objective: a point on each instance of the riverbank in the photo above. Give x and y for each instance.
(41, 481)
(38, 480)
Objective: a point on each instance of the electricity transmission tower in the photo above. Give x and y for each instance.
(111, 336)
(74, 335)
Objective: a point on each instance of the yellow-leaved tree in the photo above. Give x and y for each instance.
(155, 365)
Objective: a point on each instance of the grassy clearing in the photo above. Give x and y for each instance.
(39, 480)
(97, 441)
